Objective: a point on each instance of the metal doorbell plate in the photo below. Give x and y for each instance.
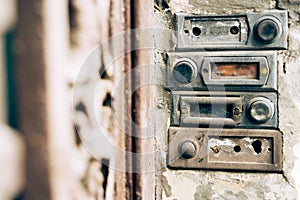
(227, 149)
(265, 30)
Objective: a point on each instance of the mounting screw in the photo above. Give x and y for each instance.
(267, 30)
(188, 150)
(236, 111)
(184, 110)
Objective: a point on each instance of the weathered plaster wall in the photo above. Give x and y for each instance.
(193, 184)
(220, 6)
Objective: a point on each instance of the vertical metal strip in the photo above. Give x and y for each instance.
(144, 181)
(30, 81)
(127, 94)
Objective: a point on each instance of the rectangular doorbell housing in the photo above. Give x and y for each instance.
(222, 77)
(266, 30)
(229, 149)
(252, 71)
(227, 109)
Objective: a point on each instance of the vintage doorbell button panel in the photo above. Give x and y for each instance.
(234, 70)
(230, 109)
(228, 149)
(266, 30)
(222, 77)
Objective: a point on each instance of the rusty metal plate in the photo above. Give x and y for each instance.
(265, 30)
(224, 109)
(227, 149)
(204, 71)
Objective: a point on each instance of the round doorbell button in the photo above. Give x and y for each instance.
(188, 149)
(185, 71)
(268, 30)
(261, 109)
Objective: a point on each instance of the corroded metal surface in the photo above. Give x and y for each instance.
(235, 149)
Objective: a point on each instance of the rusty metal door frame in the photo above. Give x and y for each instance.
(142, 183)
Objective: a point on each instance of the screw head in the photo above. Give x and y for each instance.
(236, 111)
(184, 110)
(267, 30)
(261, 110)
(188, 150)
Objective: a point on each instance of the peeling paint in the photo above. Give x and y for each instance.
(227, 185)
(293, 6)
(166, 187)
(220, 6)
(289, 112)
